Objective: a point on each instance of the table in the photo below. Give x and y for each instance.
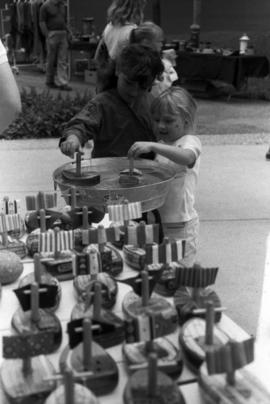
(9, 303)
(233, 70)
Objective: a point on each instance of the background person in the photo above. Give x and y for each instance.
(122, 16)
(10, 100)
(53, 24)
(174, 115)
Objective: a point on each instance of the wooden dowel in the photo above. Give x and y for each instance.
(41, 200)
(73, 197)
(87, 344)
(196, 294)
(85, 224)
(37, 268)
(145, 288)
(35, 316)
(131, 165)
(209, 320)
(56, 244)
(227, 359)
(78, 164)
(42, 220)
(97, 301)
(27, 366)
(69, 387)
(152, 375)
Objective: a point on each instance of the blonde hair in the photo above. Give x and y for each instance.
(122, 11)
(174, 101)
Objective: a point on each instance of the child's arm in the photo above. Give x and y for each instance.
(178, 155)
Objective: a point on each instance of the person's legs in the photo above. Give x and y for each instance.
(267, 156)
(52, 47)
(188, 231)
(61, 78)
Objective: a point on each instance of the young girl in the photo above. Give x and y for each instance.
(174, 115)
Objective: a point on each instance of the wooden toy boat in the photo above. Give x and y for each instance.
(149, 386)
(40, 276)
(86, 272)
(81, 176)
(55, 247)
(134, 305)
(31, 317)
(197, 335)
(131, 176)
(25, 368)
(14, 221)
(8, 224)
(70, 392)
(193, 292)
(222, 379)
(89, 356)
(111, 327)
(143, 339)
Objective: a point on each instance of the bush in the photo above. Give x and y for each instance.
(44, 114)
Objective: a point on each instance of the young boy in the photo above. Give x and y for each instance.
(116, 118)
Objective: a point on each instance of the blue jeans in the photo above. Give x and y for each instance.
(57, 55)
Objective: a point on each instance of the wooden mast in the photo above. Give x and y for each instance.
(196, 23)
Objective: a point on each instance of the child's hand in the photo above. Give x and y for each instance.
(140, 148)
(71, 145)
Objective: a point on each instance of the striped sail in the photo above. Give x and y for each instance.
(164, 253)
(197, 277)
(51, 241)
(100, 235)
(125, 211)
(9, 207)
(10, 222)
(141, 234)
(227, 358)
(41, 201)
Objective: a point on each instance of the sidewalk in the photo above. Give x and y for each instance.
(233, 202)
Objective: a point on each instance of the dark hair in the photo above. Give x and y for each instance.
(140, 63)
(146, 33)
(122, 11)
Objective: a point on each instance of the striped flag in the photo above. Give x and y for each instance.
(125, 211)
(164, 253)
(141, 234)
(197, 277)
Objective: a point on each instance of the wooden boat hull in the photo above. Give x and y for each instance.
(105, 372)
(169, 358)
(84, 284)
(164, 313)
(22, 324)
(136, 390)
(30, 389)
(185, 304)
(168, 282)
(82, 395)
(192, 341)
(247, 389)
(60, 268)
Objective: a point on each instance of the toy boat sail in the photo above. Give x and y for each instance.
(144, 337)
(11, 223)
(150, 385)
(25, 368)
(197, 335)
(137, 304)
(87, 271)
(85, 355)
(31, 317)
(42, 201)
(111, 330)
(222, 379)
(56, 247)
(193, 292)
(40, 276)
(70, 392)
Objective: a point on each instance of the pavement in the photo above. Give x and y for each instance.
(233, 202)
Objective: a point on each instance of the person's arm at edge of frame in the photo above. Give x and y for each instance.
(10, 100)
(82, 127)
